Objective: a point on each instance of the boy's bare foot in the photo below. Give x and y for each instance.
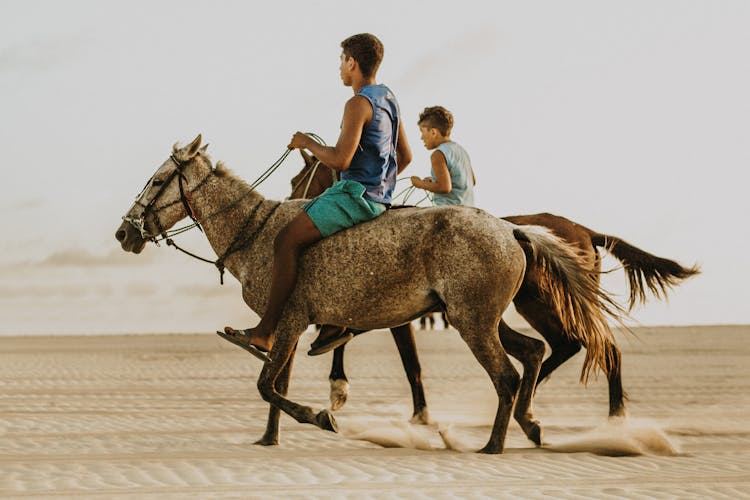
(255, 344)
(329, 338)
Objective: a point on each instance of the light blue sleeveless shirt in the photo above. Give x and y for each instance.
(459, 168)
(374, 162)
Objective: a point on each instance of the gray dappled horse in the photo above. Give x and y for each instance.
(378, 274)
(644, 271)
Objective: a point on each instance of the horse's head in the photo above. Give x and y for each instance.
(165, 199)
(314, 178)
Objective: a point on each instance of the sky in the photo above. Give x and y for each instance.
(631, 118)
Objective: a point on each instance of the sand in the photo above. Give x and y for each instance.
(176, 416)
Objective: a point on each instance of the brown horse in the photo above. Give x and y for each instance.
(645, 272)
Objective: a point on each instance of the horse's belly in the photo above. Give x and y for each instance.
(369, 308)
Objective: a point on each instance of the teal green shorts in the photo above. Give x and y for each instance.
(341, 206)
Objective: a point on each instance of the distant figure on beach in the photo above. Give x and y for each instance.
(453, 180)
(371, 150)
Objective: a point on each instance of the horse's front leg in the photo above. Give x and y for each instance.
(617, 395)
(282, 352)
(339, 383)
(338, 380)
(271, 436)
(407, 348)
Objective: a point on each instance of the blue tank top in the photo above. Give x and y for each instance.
(374, 162)
(462, 182)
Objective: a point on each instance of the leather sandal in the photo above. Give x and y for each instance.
(240, 339)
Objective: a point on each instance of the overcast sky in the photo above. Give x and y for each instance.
(632, 118)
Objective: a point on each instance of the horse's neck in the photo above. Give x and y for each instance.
(323, 178)
(219, 211)
(326, 177)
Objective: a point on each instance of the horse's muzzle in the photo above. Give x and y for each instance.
(130, 238)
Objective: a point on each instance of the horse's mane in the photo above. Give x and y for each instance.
(221, 170)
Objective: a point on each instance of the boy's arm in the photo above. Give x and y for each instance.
(442, 183)
(403, 151)
(357, 114)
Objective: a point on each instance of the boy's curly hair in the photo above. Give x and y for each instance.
(367, 50)
(437, 117)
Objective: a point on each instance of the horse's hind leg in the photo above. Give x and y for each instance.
(543, 318)
(407, 348)
(562, 350)
(529, 352)
(271, 436)
(484, 343)
(614, 377)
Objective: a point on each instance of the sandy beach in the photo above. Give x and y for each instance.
(177, 415)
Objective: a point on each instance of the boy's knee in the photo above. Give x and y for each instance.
(287, 241)
(282, 241)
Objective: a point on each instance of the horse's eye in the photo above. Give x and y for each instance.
(157, 182)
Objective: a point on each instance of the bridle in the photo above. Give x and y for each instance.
(241, 240)
(150, 208)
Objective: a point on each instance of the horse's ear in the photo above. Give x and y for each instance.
(203, 149)
(308, 158)
(193, 147)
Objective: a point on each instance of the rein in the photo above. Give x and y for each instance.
(237, 244)
(408, 191)
(310, 175)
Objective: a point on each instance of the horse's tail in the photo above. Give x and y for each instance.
(644, 270)
(582, 306)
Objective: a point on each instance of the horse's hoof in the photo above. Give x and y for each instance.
(325, 421)
(618, 413)
(490, 450)
(339, 393)
(264, 441)
(531, 428)
(421, 418)
(535, 434)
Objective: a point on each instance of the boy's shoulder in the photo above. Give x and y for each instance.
(376, 90)
(453, 149)
(449, 145)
